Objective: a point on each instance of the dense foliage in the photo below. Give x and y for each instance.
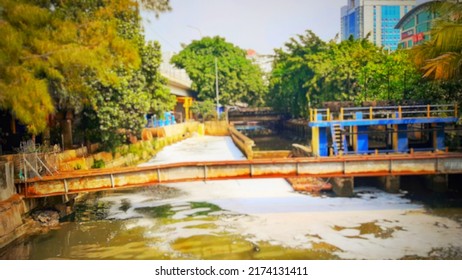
(238, 79)
(309, 71)
(204, 110)
(67, 55)
(120, 108)
(440, 58)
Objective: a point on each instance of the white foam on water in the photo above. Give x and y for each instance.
(206, 148)
(271, 211)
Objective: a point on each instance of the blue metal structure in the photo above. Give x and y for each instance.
(168, 119)
(358, 121)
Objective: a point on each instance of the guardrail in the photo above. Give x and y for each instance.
(386, 112)
(384, 165)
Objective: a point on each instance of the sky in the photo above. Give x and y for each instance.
(261, 25)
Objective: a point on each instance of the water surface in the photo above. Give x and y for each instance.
(251, 219)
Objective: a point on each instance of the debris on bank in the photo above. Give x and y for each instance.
(46, 218)
(309, 184)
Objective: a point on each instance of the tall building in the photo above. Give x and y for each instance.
(375, 19)
(416, 25)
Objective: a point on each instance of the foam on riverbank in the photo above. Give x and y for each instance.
(372, 225)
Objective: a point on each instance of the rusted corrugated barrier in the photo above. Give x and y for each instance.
(348, 166)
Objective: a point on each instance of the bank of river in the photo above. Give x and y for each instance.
(248, 219)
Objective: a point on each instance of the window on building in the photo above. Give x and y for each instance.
(390, 17)
(351, 30)
(409, 24)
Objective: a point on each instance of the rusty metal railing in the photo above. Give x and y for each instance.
(386, 112)
(373, 165)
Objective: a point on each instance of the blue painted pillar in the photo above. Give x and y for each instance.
(438, 137)
(322, 136)
(323, 146)
(403, 141)
(362, 138)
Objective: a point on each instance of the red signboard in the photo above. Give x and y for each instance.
(418, 37)
(407, 34)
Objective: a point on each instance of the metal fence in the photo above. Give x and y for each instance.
(36, 161)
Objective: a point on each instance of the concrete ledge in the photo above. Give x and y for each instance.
(271, 154)
(343, 186)
(217, 128)
(11, 211)
(390, 184)
(243, 142)
(301, 151)
(170, 130)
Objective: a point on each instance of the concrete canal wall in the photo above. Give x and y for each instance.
(14, 209)
(246, 145)
(12, 206)
(7, 188)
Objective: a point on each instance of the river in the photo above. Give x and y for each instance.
(250, 219)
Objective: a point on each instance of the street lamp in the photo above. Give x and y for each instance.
(216, 87)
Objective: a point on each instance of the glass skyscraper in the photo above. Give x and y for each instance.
(416, 25)
(374, 19)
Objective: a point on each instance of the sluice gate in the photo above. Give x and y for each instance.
(351, 130)
(341, 166)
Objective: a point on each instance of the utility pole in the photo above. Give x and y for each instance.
(216, 84)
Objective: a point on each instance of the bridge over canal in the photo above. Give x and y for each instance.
(345, 168)
(342, 163)
(254, 115)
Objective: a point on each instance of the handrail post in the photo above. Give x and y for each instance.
(328, 114)
(456, 109)
(371, 116)
(400, 112)
(315, 114)
(341, 114)
(428, 111)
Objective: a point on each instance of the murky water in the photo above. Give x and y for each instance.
(197, 222)
(271, 137)
(252, 219)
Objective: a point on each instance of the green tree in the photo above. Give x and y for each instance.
(440, 58)
(61, 55)
(238, 79)
(120, 108)
(311, 71)
(336, 70)
(53, 49)
(204, 109)
(392, 76)
(157, 6)
(288, 87)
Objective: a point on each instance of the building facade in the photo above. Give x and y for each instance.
(375, 20)
(415, 26)
(179, 84)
